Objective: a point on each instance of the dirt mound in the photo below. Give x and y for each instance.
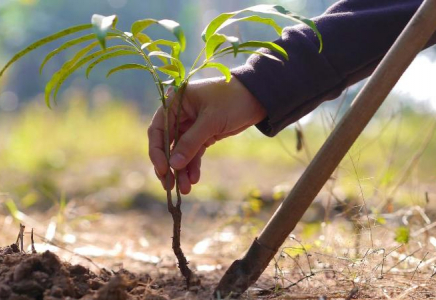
(43, 276)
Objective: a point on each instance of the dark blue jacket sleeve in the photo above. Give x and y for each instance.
(356, 35)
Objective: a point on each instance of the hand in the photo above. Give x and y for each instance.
(211, 110)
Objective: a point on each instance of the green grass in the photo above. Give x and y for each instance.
(38, 145)
(38, 137)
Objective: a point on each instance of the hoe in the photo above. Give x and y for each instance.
(244, 272)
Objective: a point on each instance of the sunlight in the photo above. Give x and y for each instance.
(418, 81)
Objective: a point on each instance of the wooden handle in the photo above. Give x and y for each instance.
(414, 37)
(411, 41)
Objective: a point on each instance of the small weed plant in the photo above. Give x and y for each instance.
(165, 67)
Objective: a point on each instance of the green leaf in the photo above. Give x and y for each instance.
(143, 39)
(170, 25)
(296, 251)
(13, 209)
(213, 26)
(230, 50)
(256, 19)
(109, 56)
(64, 47)
(311, 24)
(402, 235)
(152, 46)
(220, 67)
(67, 65)
(171, 70)
(162, 54)
(44, 41)
(128, 35)
(174, 60)
(217, 40)
(69, 44)
(217, 23)
(80, 54)
(127, 67)
(169, 82)
(141, 25)
(262, 54)
(176, 29)
(102, 25)
(213, 44)
(269, 45)
(71, 66)
(310, 229)
(160, 42)
(381, 220)
(235, 44)
(83, 61)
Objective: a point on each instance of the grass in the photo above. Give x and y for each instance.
(37, 137)
(100, 155)
(40, 145)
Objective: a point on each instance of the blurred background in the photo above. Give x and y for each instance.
(86, 159)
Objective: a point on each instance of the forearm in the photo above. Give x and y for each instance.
(356, 35)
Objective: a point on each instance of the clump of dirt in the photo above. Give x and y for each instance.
(43, 276)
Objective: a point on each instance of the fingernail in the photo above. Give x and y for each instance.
(177, 161)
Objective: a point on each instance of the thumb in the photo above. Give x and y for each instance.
(190, 143)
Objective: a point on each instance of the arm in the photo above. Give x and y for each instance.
(356, 34)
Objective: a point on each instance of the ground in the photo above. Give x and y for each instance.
(128, 256)
(90, 194)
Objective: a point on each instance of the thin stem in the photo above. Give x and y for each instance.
(155, 75)
(175, 211)
(191, 73)
(197, 59)
(180, 94)
(167, 156)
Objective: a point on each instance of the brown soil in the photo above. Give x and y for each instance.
(328, 270)
(26, 276)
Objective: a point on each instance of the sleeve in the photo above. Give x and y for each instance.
(356, 35)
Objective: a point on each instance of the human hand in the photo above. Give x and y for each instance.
(211, 111)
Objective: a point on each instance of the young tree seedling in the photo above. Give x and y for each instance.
(165, 67)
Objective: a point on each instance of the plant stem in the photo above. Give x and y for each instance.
(197, 59)
(148, 64)
(175, 210)
(167, 155)
(179, 95)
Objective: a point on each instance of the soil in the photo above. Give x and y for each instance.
(25, 276)
(128, 256)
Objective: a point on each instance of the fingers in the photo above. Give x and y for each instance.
(156, 141)
(163, 180)
(189, 176)
(190, 143)
(194, 166)
(157, 155)
(184, 182)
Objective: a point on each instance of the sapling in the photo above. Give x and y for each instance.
(165, 67)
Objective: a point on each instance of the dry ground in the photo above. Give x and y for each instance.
(128, 256)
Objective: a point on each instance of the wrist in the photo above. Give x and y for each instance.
(257, 111)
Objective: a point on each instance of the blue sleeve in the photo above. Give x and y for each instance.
(356, 35)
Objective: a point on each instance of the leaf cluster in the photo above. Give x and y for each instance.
(161, 58)
(137, 43)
